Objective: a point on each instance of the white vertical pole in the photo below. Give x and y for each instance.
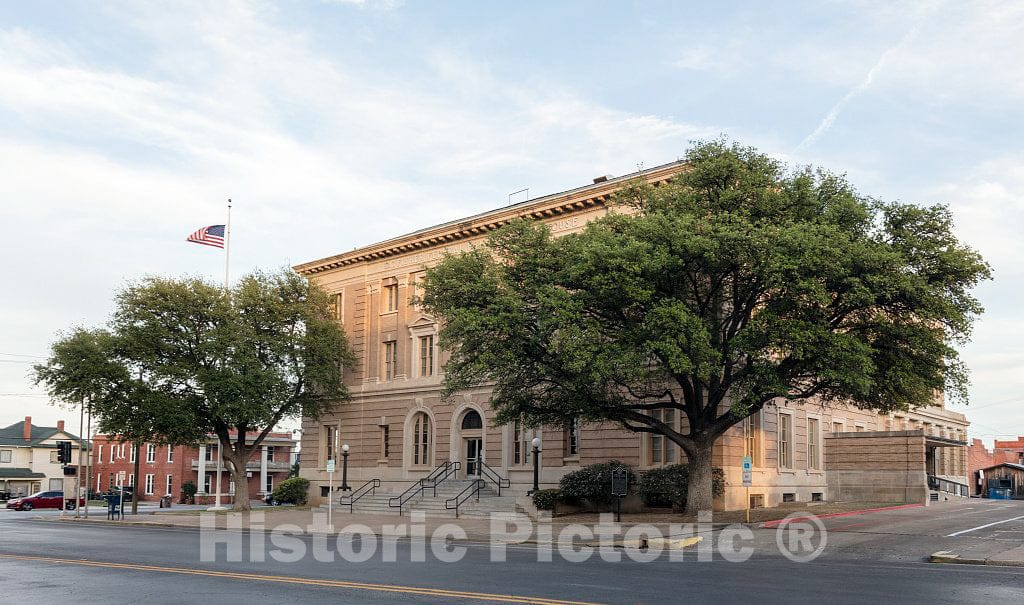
(81, 452)
(227, 248)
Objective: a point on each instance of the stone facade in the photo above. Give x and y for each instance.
(398, 428)
(883, 466)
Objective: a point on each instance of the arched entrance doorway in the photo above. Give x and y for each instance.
(471, 435)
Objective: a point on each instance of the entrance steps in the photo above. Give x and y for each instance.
(434, 506)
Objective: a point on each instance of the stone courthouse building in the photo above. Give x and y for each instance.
(398, 428)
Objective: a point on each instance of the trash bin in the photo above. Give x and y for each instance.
(165, 502)
(114, 510)
(998, 493)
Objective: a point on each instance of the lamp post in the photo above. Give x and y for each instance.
(344, 468)
(536, 465)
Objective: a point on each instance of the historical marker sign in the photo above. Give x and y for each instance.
(620, 482)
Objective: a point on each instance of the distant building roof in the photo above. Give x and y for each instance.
(1019, 467)
(19, 473)
(15, 434)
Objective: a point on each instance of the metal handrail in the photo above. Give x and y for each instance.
(471, 490)
(945, 485)
(490, 473)
(446, 468)
(436, 478)
(369, 487)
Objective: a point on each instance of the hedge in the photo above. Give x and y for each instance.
(547, 499)
(291, 491)
(666, 486)
(592, 483)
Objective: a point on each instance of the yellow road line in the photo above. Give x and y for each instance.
(415, 590)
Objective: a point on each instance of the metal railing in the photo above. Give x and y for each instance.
(368, 488)
(473, 489)
(489, 473)
(939, 484)
(436, 476)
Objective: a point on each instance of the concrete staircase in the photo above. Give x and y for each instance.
(434, 506)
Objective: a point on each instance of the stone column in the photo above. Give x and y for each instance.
(202, 470)
(263, 471)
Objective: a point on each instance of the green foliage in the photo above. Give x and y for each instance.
(294, 470)
(547, 499)
(667, 485)
(183, 359)
(738, 283)
(592, 483)
(188, 492)
(291, 491)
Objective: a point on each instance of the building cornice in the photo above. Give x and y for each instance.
(555, 205)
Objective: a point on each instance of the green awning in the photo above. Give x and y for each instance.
(19, 473)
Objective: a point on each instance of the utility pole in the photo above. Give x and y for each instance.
(135, 483)
(81, 452)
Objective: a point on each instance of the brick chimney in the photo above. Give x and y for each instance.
(26, 432)
(60, 425)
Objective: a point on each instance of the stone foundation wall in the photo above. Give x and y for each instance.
(876, 467)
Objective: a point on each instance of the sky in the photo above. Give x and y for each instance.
(125, 126)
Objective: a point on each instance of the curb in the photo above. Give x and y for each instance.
(851, 513)
(949, 558)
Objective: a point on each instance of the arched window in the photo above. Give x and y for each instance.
(421, 439)
(472, 420)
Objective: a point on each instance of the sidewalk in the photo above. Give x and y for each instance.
(993, 554)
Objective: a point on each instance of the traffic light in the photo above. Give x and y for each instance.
(64, 452)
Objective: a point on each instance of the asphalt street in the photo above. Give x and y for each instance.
(868, 558)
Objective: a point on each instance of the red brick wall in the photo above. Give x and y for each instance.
(979, 457)
(181, 469)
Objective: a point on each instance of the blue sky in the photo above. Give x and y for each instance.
(124, 126)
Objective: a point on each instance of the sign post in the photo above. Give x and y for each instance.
(330, 497)
(620, 487)
(748, 464)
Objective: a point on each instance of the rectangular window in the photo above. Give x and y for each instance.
(785, 440)
(385, 442)
(391, 297)
(53, 457)
(169, 485)
(859, 427)
(421, 440)
(6, 455)
(99, 453)
(111, 484)
(208, 482)
(56, 485)
(170, 453)
(270, 453)
(131, 480)
(813, 434)
(837, 426)
(131, 454)
(390, 359)
(572, 438)
(270, 484)
(209, 453)
(330, 437)
(150, 453)
(663, 449)
(112, 448)
(149, 485)
(231, 488)
(427, 355)
(336, 306)
(752, 434)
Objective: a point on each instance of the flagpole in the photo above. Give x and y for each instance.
(227, 275)
(227, 246)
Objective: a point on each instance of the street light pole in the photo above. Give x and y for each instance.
(344, 468)
(536, 465)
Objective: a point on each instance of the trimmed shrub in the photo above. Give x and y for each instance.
(291, 491)
(666, 486)
(547, 499)
(188, 492)
(592, 483)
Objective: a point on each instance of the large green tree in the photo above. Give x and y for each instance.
(183, 359)
(738, 284)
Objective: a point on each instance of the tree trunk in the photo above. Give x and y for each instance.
(699, 492)
(236, 467)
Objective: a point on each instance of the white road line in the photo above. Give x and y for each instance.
(984, 526)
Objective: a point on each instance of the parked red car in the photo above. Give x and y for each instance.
(42, 500)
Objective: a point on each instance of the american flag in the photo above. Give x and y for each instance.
(209, 236)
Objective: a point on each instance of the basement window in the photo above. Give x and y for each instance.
(756, 500)
(817, 497)
(789, 497)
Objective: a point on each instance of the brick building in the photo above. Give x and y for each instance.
(398, 427)
(979, 458)
(163, 469)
